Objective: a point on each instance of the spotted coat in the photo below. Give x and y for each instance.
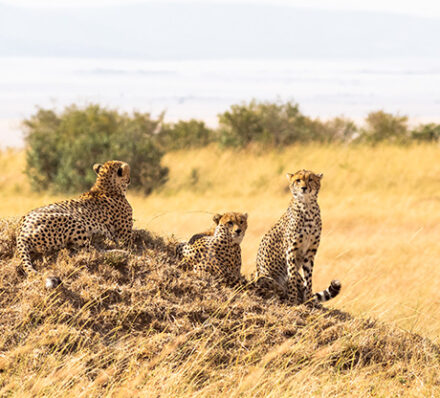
(104, 209)
(289, 247)
(217, 251)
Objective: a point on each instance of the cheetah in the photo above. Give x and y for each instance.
(217, 251)
(290, 246)
(103, 209)
(237, 218)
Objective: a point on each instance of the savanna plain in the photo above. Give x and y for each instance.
(138, 326)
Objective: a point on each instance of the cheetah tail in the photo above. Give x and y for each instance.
(329, 293)
(24, 255)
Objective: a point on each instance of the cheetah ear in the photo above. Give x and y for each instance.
(245, 215)
(125, 167)
(320, 175)
(217, 218)
(289, 176)
(97, 167)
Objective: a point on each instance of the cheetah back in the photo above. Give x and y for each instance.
(103, 209)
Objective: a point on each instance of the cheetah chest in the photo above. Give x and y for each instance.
(308, 234)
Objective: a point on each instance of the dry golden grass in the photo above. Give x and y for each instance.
(138, 326)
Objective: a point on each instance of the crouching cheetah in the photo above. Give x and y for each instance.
(291, 244)
(217, 250)
(103, 209)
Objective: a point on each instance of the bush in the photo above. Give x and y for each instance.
(185, 135)
(61, 148)
(275, 124)
(339, 129)
(426, 132)
(382, 126)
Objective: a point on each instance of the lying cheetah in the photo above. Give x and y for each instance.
(217, 251)
(233, 217)
(103, 209)
(291, 244)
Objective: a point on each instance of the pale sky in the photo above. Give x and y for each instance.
(426, 8)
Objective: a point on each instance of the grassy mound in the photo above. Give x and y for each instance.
(138, 326)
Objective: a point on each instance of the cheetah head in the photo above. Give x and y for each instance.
(112, 176)
(304, 184)
(236, 223)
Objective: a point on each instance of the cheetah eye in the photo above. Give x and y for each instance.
(230, 223)
(120, 172)
(298, 180)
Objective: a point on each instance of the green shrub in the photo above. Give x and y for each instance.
(185, 135)
(275, 124)
(61, 148)
(382, 126)
(339, 129)
(426, 132)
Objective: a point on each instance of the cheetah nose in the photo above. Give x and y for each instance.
(304, 189)
(238, 231)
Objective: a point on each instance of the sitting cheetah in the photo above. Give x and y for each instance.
(291, 244)
(217, 250)
(103, 209)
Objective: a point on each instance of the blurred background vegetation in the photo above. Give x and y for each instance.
(61, 147)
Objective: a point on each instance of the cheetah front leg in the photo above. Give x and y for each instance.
(307, 267)
(24, 255)
(295, 281)
(123, 235)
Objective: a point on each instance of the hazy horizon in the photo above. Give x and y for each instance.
(194, 60)
(178, 31)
